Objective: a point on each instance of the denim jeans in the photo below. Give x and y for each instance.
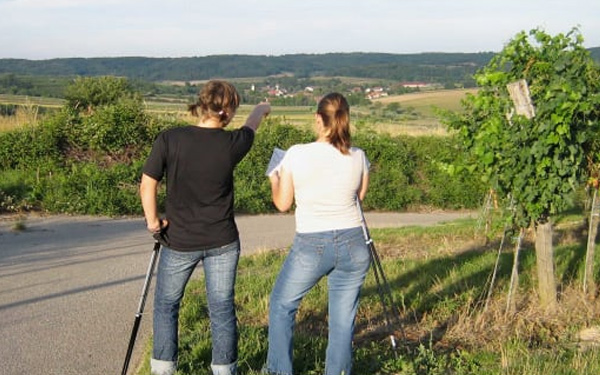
(174, 271)
(342, 256)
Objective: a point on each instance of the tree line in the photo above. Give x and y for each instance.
(410, 67)
(49, 78)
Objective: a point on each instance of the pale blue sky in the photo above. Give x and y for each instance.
(43, 29)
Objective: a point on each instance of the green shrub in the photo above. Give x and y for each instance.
(14, 192)
(392, 173)
(31, 146)
(89, 161)
(252, 188)
(114, 128)
(88, 93)
(89, 189)
(405, 171)
(441, 184)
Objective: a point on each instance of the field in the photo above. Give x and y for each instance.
(419, 108)
(423, 102)
(295, 115)
(422, 107)
(23, 100)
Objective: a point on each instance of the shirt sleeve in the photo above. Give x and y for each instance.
(156, 163)
(366, 164)
(242, 141)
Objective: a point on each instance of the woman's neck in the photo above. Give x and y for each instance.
(209, 123)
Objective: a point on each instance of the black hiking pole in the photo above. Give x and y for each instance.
(138, 315)
(390, 309)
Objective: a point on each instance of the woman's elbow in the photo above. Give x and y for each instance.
(280, 208)
(281, 205)
(148, 185)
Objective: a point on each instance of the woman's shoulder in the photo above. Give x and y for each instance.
(357, 150)
(300, 147)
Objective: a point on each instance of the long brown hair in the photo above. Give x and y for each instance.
(335, 112)
(216, 99)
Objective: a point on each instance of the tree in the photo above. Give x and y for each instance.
(88, 93)
(537, 161)
(107, 120)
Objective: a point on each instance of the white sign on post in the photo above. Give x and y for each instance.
(519, 93)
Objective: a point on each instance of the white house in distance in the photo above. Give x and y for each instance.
(375, 92)
(415, 84)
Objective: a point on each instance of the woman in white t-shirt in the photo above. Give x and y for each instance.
(324, 178)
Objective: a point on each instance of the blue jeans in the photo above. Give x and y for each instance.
(174, 271)
(344, 257)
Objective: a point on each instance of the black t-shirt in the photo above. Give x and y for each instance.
(198, 164)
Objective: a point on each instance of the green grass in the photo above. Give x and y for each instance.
(440, 279)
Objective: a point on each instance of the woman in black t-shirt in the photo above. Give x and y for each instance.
(198, 162)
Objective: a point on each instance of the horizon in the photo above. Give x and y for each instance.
(256, 55)
(42, 30)
(261, 55)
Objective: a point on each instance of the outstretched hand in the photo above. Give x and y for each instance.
(264, 108)
(259, 112)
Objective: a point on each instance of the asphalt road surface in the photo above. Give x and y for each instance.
(70, 286)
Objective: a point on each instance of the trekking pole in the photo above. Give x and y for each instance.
(383, 287)
(140, 310)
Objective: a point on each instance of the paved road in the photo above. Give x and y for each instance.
(70, 287)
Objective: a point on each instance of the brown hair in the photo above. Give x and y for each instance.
(335, 111)
(216, 99)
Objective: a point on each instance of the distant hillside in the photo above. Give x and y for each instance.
(429, 67)
(50, 77)
(595, 52)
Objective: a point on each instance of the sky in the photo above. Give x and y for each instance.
(46, 29)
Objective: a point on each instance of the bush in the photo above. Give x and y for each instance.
(406, 172)
(31, 146)
(113, 128)
(392, 174)
(252, 188)
(15, 191)
(441, 184)
(88, 93)
(89, 189)
(89, 161)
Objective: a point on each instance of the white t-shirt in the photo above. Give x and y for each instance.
(326, 183)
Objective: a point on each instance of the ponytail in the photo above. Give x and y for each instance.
(335, 111)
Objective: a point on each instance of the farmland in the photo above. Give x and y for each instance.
(423, 102)
(415, 114)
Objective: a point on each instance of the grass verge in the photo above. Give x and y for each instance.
(440, 277)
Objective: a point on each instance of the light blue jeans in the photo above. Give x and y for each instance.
(174, 271)
(342, 256)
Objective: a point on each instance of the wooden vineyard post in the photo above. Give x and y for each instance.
(544, 255)
(589, 284)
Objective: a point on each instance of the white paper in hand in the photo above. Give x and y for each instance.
(275, 162)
